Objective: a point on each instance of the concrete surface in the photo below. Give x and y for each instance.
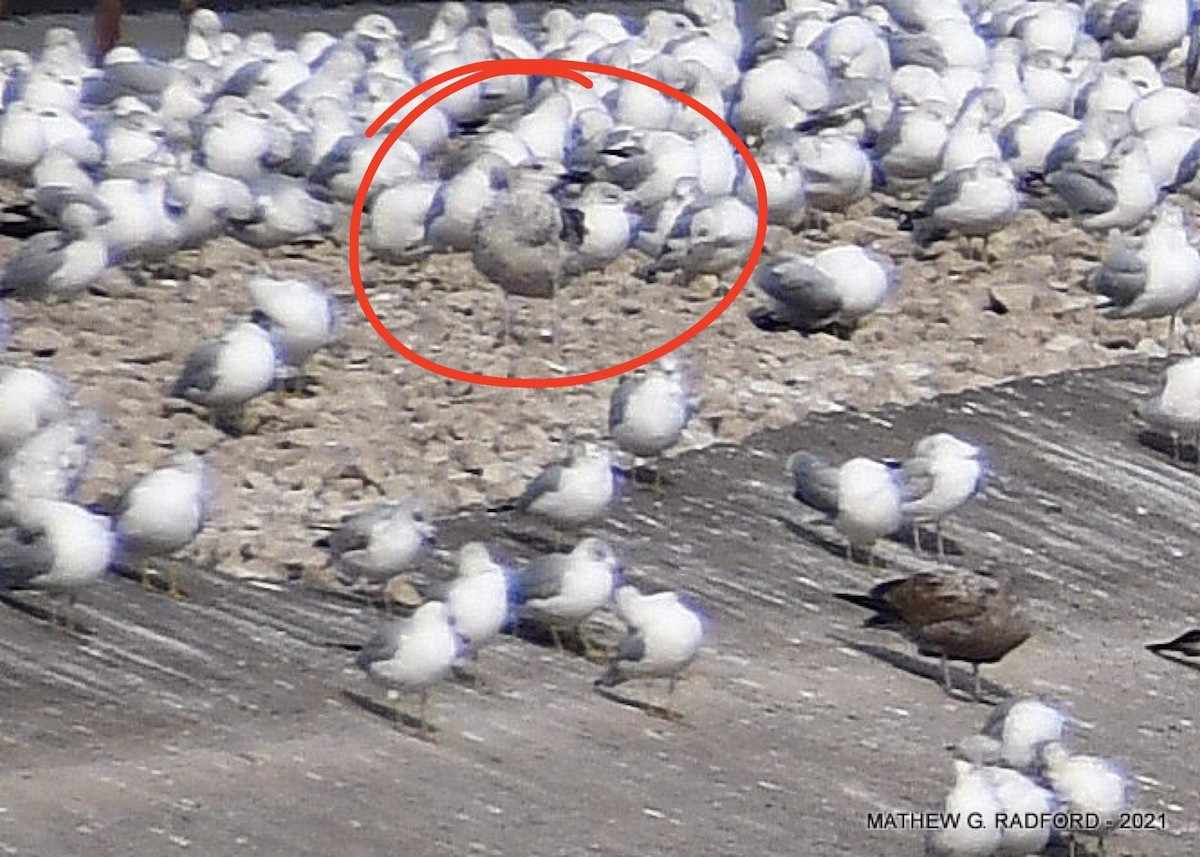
(222, 726)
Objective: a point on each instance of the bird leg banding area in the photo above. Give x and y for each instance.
(554, 429)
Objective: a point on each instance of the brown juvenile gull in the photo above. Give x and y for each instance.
(522, 238)
(960, 616)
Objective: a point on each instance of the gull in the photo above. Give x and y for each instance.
(301, 315)
(380, 543)
(959, 616)
(51, 462)
(1186, 644)
(943, 473)
(32, 400)
(162, 513)
(561, 590)
(478, 597)
(974, 202)
(577, 490)
(863, 497)
(1162, 280)
(663, 636)
(55, 546)
(1149, 28)
(837, 172)
(459, 201)
(909, 147)
(1176, 404)
(225, 375)
(605, 225)
(60, 264)
(401, 218)
(1117, 192)
(647, 414)
(712, 237)
(1093, 792)
(971, 797)
(285, 211)
(412, 654)
(1020, 726)
(521, 239)
(836, 288)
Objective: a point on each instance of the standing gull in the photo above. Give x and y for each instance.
(521, 239)
(301, 315)
(412, 653)
(958, 616)
(647, 414)
(561, 590)
(1094, 792)
(226, 374)
(1175, 406)
(1162, 280)
(943, 473)
(863, 497)
(664, 633)
(380, 543)
(54, 546)
(974, 202)
(575, 491)
(162, 513)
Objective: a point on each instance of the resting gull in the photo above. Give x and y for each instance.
(32, 400)
(478, 597)
(835, 289)
(958, 616)
(55, 546)
(1186, 644)
(1093, 792)
(301, 315)
(1175, 406)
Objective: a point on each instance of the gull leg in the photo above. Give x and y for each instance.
(426, 724)
(941, 543)
(554, 636)
(1171, 333)
(916, 528)
(978, 694)
(556, 331)
(508, 319)
(946, 675)
(173, 589)
(849, 553)
(146, 584)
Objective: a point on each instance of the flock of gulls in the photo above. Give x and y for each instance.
(960, 112)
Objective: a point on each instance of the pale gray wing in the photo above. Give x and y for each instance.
(807, 294)
(547, 482)
(25, 553)
(620, 402)
(1121, 277)
(542, 577)
(383, 644)
(199, 374)
(816, 482)
(631, 649)
(1084, 187)
(37, 259)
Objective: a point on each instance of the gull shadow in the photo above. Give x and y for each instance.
(387, 712)
(768, 322)
(834, 548)
(649, 708)
(1161, 443)
(20, 221)
(569, 641)
(1177, 659)
(42, 614)
(540, 542)
(913, 665)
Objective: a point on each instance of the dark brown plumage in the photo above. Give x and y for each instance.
(959, 616)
